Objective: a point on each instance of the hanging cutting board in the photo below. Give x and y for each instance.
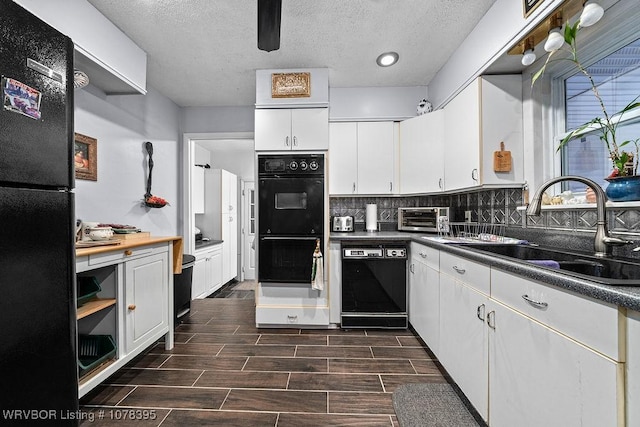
(502, 160)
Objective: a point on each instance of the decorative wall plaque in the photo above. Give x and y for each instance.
(290, 85)
(529, 6)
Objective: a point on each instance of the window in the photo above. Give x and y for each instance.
(618, 79)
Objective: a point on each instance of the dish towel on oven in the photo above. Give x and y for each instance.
(317, 271)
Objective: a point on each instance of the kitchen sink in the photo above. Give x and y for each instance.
(609, 271)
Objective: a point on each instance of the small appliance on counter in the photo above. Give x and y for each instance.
(198, 234)
(342, 224)
(426, 219)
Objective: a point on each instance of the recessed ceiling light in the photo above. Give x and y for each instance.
(387, 59)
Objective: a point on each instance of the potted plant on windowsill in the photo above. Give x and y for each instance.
(624, 181)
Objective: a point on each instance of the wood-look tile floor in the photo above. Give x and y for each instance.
(223, 371)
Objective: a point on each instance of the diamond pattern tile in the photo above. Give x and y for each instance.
(560, 219)
(626, 220)
(498, 198)
(514, 197)
(587, 219)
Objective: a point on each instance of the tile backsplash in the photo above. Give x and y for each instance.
(494, 206)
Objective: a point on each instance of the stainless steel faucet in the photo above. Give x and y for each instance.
(603, 243)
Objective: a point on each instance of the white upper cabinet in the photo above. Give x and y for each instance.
(343, 158)
(422, 148)
(292, 129)
(362, 158)
(477, 120)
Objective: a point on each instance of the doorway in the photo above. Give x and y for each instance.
(233, 152)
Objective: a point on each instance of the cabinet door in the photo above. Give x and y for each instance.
(199, 277)
(376, 158)
(422, 153)
(463, 340)
(343, 158)
(214, 271)
(228, 192)
(229, 247)
(197, 190)
(273, 129)
(462, 133)
(633, 368)
(541, 378)
(424, 303)
(310, 128)
(146, 286)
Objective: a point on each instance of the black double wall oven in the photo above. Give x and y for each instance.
(291, 204)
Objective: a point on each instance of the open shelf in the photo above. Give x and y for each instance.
(94, 306)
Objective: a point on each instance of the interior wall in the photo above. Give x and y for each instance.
(122, 124)
(374, 103)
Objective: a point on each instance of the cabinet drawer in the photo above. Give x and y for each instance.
(125, 254)
(425, 255)
(596, 324)
(292, 316)
(472, 273)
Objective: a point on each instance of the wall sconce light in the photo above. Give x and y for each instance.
(528, 57)
(591, 13)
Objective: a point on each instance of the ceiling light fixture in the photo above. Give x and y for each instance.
(591, 13)
(555, 40)
(528, 57)
(387, 59)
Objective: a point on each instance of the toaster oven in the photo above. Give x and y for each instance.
(425, 219)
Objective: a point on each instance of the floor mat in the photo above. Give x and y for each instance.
(430, 405)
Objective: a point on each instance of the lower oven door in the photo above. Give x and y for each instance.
(286, 259)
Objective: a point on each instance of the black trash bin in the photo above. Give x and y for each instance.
(182, 289)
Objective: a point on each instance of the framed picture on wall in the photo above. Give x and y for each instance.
(528, 6)
(85, 157)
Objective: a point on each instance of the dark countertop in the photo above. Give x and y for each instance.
(623, 296)
(203, 244)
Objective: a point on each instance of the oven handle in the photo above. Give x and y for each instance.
(287, 238)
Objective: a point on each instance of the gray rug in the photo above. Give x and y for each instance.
(430, 405)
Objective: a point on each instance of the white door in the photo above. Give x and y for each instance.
(249, 231)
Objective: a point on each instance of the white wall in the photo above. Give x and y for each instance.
(122, 124)
(217, 119)
(369, 103)
(498, 30)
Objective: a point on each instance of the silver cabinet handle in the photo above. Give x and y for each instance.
(480, 312)
(491, 319)
(390, 186)
(537, 304)
(474, 174)
(423, 254)
(440, 183)
(353, 190)
(459, 270)
(295, 141)
(286, 141)
(411, 268)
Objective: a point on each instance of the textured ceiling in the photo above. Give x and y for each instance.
(204, 52)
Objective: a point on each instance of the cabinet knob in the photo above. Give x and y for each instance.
(131, 307)
(459, 270)
(128, 252)
(423, 254)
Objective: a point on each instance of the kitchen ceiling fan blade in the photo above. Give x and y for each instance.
(269, 12)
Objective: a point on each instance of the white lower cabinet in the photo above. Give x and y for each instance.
(146, 289)
(286, 304)
(633, 368)
(463, 340)
(523, 361)
(539, 377)
(207, 272)
(424, 294)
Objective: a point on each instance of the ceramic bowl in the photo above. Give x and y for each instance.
(100, 233)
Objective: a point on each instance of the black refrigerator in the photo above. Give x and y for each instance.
(38, 362)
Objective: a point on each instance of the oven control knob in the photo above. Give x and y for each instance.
(394, 253)
(293, 165)
(303, 165)
(313, 165)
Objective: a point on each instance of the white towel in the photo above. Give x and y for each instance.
(317, 271)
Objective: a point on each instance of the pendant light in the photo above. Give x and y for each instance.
(591, 13)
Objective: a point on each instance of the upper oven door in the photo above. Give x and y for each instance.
(291, 206)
